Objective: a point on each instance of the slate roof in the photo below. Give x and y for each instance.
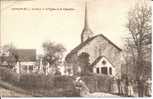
(25, 55)
(81, 45)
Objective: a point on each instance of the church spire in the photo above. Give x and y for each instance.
(85, 16)
(86, 33)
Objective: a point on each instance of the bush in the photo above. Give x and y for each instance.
(31, 81)
(40, 81)
(8, 75)
(104, 83)
(63, 81)
(51, 85)
(97, 83)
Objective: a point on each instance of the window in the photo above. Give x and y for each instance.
(25, 68)
(104, 70)
(97, 70)
(103, 62)
(30, 67)
(110, 70)
(69, 71)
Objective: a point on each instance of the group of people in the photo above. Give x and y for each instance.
(122, 87)
(125, 87)
(144, 87)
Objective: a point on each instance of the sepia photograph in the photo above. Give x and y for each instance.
(76, 48)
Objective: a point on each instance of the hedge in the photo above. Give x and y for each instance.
(33, 80)
(39, 81)
(55, 85)
(46, 85)
(98, 83)
(8, 75)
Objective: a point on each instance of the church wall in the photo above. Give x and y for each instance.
(101, 47)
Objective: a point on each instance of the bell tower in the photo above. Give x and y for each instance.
(86, 32)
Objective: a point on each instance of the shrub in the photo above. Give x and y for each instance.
(104, 83)
(36, 81)
(96, 82)
(51, 85)
(62, 81)
(8, 75)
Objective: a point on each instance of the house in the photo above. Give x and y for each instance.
(26, 60)
(105, 56)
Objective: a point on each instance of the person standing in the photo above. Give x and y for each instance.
(130, 89)
(122, 87)
(118, 84)
(114, 87)
(148, 87)
(140, 88)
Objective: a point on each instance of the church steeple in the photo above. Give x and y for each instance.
(86, 32)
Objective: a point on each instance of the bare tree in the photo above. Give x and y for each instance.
(129, 56)
(139, 26)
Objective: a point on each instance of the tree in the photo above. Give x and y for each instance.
(83, 60)
(57, 72)
(9, 55)
(129, 59)
(53, 53)
(139, 26)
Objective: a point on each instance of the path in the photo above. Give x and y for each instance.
(6, 92)
(101, 94)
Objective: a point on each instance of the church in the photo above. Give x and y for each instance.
(105, 56)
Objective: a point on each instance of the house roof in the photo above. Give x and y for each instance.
(26, 55)
(98, 59)
(81, 45)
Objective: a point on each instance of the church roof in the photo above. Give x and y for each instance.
(98, 59)
(81, 45)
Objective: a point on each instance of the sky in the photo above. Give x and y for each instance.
(30, 27)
